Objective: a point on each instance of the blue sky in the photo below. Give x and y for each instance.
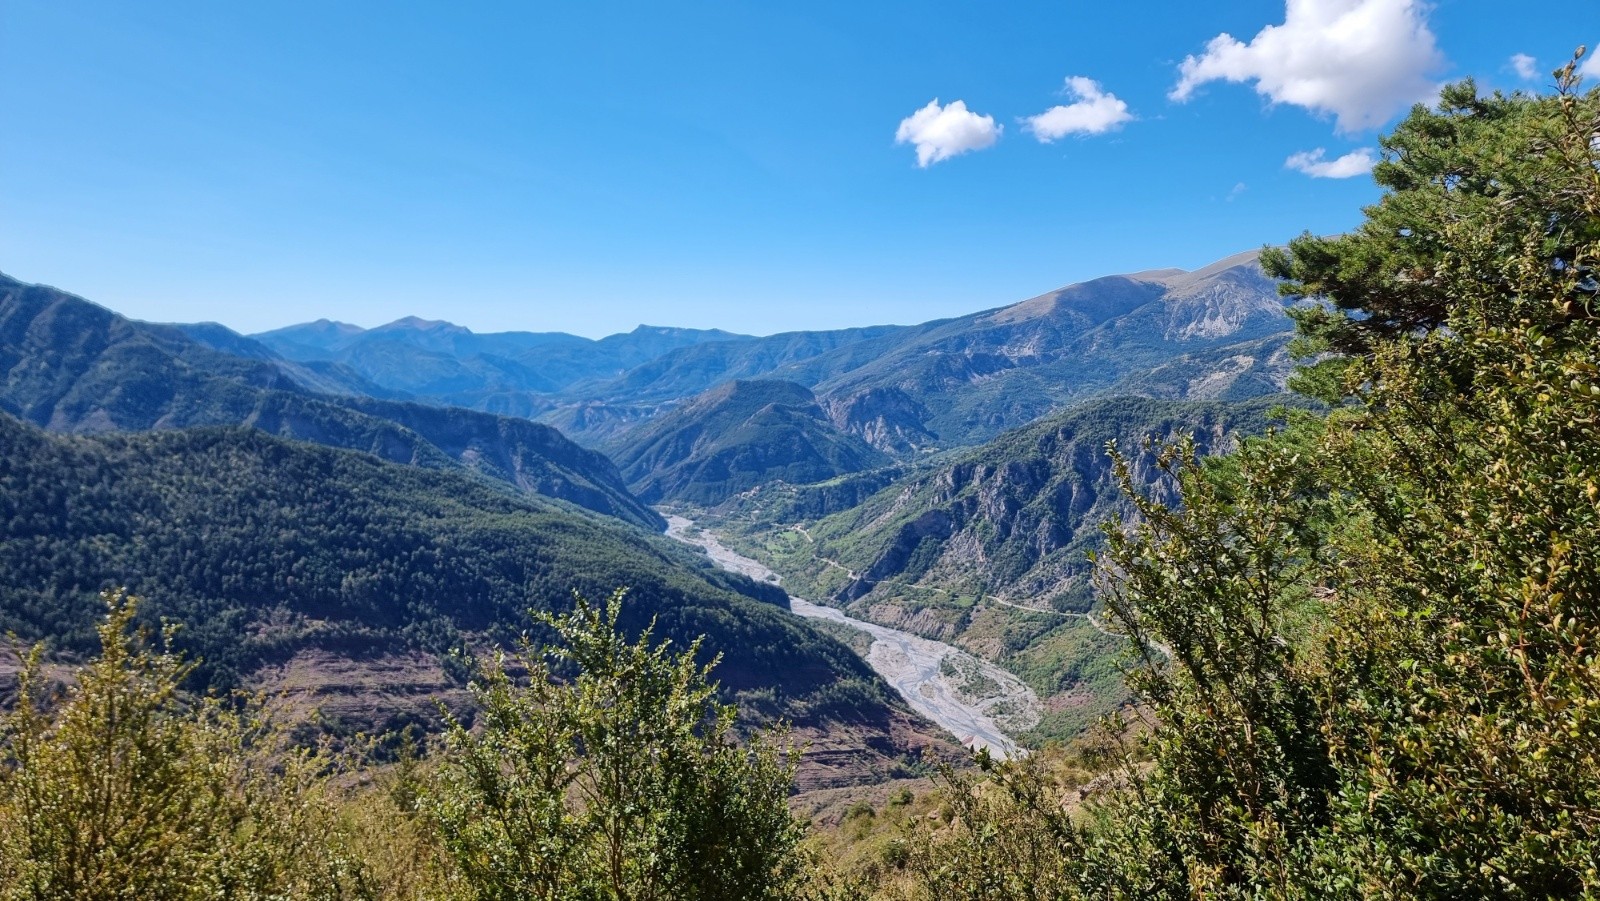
(586, 167)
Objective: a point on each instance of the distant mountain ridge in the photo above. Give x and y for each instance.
(904, 390)
(71, 366)
(450, 363)
(959, 382)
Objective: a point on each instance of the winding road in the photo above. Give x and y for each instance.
(908, 662)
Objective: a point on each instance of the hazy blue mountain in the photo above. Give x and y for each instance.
(310, 340)
(961, 381)
(690, 370)
(905, 390)
(737, 436)
(71, 366)
(450, 363)
(319, 377)
(982, 374)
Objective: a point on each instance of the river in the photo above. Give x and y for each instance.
(910, 663)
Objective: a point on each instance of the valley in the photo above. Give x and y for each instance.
(965, 695)
(934, 490)
(1080, 452)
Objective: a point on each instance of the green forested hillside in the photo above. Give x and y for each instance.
(71, 366)
(735, 437)
(1017, 516)
(262, 548)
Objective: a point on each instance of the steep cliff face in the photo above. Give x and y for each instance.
(595, 424)
(1230, 299)
(735, 437)
(1015, 518)
(886, 418)
(71, 366)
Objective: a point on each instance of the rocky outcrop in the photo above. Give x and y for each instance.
(885, 418)
(1016, 518)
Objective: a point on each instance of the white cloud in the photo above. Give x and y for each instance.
(1360, 60)
(1591, 63)
(1238, 189)
(1092, 112)
(1311, 162)
(940, 133)
(1526, 67)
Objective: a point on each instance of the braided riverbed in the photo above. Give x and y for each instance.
(917, 667)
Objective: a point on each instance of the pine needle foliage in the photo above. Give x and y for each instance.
(1371, 640)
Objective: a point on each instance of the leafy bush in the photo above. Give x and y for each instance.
(622, 783)
(128, 789)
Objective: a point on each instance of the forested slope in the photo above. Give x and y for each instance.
(71, 366)
(264, 548)
(966, 551)
(1368, 664)
(735, 437)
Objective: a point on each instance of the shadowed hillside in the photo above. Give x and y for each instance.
(71, 366)
(345, 581)
(735, 437)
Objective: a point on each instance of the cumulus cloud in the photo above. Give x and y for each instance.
(1092, 112)
(1360, 60)
(941, 132)
(1311, 162)
(1590, 68)
(1526, 67)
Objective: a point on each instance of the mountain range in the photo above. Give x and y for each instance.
(1219, 332)
(69, 365)
(989, 549)
(451, 363)
(737, 436)
(945, 478)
